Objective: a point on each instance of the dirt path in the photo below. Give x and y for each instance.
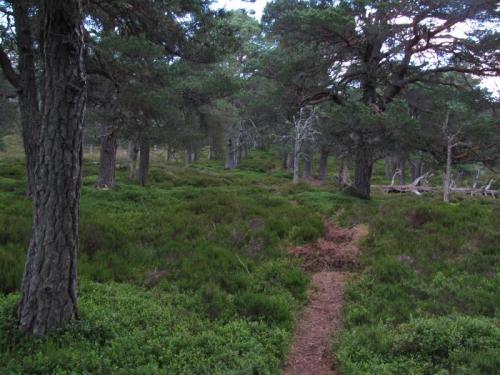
(331, 259)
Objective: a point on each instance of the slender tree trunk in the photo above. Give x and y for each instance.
(363, 166)
(416, 169)
(191, 154)
(239, 154)
(449, 149)
(343, 177)
(195, 153)
(323, 165)
(284, 163)
(459, 179)
(91, 149)
(132, 158)
(28, 90)
(144, 163)
(296, 163)
(290, 159)
(210, 155)
(447, 173)
(230, 154)
(48, 291)
(391, 163)
(107, 161)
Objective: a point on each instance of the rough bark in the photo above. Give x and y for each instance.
(48, 291)
(27, 89)
(144, 163)
(363, 165)
(323, 165)
(107, 161)
(132, 153)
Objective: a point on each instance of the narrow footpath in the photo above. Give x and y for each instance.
(331, 259)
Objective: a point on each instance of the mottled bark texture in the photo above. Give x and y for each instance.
(48, 291)
(27, 89)
(107, 161)
(144, 163)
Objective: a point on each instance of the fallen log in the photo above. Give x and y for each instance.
(428, 189)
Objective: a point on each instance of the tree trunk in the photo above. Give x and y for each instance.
(459, 179)
(308, 167)
(296, 163)
(28, 90)
(343, 177)
(290, 160)
(132, 158)
(238, 156)
(191, 154)
(449, 147)
(210, 155)
(390, 166)
(91, 149)
(363, 166)
(416, 169)
(230, 154)
(284, 164)
(107, 161)
(447, 172)
(48, 291)
(323, 165)
(144, 163)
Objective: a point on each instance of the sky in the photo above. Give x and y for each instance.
(491, 83)
(257, 6)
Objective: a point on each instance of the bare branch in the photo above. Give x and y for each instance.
(8, 70)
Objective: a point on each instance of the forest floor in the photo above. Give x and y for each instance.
(332, 259)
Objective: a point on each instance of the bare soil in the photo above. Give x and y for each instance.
(331, 259)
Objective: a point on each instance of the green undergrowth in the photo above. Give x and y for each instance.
(187, 275)
(427, 301)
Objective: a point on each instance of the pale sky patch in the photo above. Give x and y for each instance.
(256, 9)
